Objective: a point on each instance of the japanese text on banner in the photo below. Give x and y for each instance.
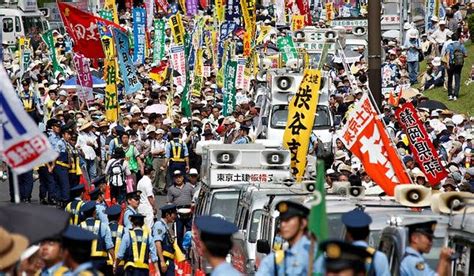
(127, 70)
(84, 77)
(287, 48)
(139, 38)
(159, 41)
(420, 144)
(230, 73)
(178, 63)
(299, 125)
(177, 29)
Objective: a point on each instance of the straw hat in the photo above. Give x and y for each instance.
(11, 247)
(85, 126)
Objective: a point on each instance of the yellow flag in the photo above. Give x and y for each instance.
(264, 31)
(182, 4)
(301, 114)
(111, 6)
(177, 29)
(111, 79)
(297, 22)
(220, 10)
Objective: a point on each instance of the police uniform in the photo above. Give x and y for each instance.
(75, 205)
(341, 256)
(176, 151)
(57, 269)
(413, 262)
(244, 139)
(294, 260)
(137, 248)
(130, 211)
(61, 170)
(99, 206)
(162, 234)
(80, 240)
(215, 229)
(117, 231)
(103, 243)
(358, 220)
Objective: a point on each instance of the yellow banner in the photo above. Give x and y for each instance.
(264, 31)
(297, 22)
(177, 29)
(220, 9)
(111, 79)
(329, 12)
(198, 74)
(436, 8)
(301, 114)
(111, 6)
(247, 44)
(248, 10)
(182, 4)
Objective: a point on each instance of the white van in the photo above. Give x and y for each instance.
(20, 19)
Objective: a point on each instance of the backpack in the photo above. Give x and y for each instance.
(458, 57)
(116, 173)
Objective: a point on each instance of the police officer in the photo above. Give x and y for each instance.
(136, 248)
(97, 196)
(51, 253)
(420, 241)
(164, 240)
(103, 243)
(176, 153)
(215, 235)
(341, 258)
(77, 244)
(29, 99)
(293, 229)
(357, 232)
(133, 200)
(244, 137)
(75, 205)
(61, 166)
(117, 231)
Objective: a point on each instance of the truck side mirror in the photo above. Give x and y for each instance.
(263, 246)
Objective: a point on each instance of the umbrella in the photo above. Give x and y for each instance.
(32, 221)
(432, 105)
(72, 83)
(410, 93)
(391, 34)
(156, 108)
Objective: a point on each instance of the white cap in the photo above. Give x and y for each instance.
(193, 171)
(63, 93)
(167, 121)
(135, 109)
(442, 22)
(184, 120)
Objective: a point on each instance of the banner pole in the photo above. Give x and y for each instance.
(16, 188)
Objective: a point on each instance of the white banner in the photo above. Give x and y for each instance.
(178, 62)
(239, 80)
(23, 146)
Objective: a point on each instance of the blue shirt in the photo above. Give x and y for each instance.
(100, 210)
(127, 242)
(87, 266)
(414, 264)
(412, 46)
(295, 261)
(54, 140)
(104, 233)
(225, 269)
(51, 270)
(242, 140)
(178, 143)
(159, 230)
(453, 46)
(126, 217)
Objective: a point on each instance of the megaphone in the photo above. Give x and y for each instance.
(356, 191)
(412, 195)
(266, 63)
(340, 187)
(452, 202)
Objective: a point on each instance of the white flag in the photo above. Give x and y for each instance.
(23, 145)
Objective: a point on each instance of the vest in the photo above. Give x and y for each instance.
(167, 244)
(98, 245)
(73, 208)
(136, 255)
(131, 158)
(63, 157)
(117, 234)
(177, 152)
(27, 100)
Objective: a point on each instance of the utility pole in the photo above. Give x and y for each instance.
(375, 51)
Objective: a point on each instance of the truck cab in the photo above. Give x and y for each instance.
(20, 19)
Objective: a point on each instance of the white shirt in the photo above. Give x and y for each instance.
(82, 142)
(440, 36)
(156, 146)
(145, 186)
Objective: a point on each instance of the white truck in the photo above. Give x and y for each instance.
(20, 19)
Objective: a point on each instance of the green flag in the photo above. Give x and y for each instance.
(185, 106)
(49, 40)
(230, 73)
(287, 48)
(318, 221)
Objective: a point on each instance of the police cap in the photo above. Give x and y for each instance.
(94, 194)
(113, 210)
(427, 228)
(134, 194)
(175, 131)
(88, 207)
(78, 188)
(341, 255)
(137, 217)
(289, 209)
(356, 219)
(215, 226)
(53, 122)
(76, 233)
(168, 208)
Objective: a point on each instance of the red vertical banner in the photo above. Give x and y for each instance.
(421, 146)
(303, 6)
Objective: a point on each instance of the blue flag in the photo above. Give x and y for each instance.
(127, 70)
(139, 22)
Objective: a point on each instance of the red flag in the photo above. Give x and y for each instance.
(364, 135)
(303, 6)
(82, 27)
(423, 150)
(400, 95)
(392, 101)
(162, 4)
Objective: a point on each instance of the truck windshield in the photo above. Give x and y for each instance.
(32, 25)
(225, 204)
(255, 220)
(280, 115)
